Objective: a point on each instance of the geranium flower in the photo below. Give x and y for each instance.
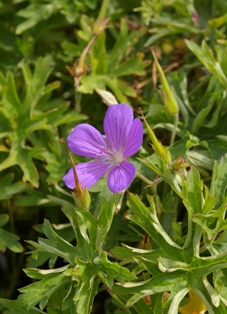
(123, 138)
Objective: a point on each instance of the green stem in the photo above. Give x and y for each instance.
(117, 300)
(153, 186)
(120, 303)
(77, 99)
(102, 278)
(176, 119)
(151, 183)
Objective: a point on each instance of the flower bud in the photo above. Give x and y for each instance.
(179, 163)
(159, 149)
(167, 94)
(100, 24)
(169, 101)
(82, 197)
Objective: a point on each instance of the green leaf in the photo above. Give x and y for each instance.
(92, 82)
(40, 292)
(87, 223)
(57, 299)
(133, 66)
(34, 13)
(218, 185)
(14, 306)
(19, 156)
(192, 192)
(84, 251)
(85, 295)
(8, 188)
(10, 241)
(142, 308)
(99, 56)
(36, 83)
(123, 40)
(105, 219)
(206, 57)
(7, 239)
(4, 218)
(113, 271)
(201, 116)
(86, 276)
(57, 245)
(147, 219)
(42, 273)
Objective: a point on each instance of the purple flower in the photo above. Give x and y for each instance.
(124, 136)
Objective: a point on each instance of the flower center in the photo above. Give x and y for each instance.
(108, 155)
(117, 157)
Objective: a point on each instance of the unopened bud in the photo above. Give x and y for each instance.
(167, 94)
(159, 149)
(100, 24)
(179, 163)
(169, 101)
(82, 197)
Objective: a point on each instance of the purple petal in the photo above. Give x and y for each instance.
(69, 179)
(88, 173)
(86, 141)
(134, 139)
(120, 177)
(117, 123)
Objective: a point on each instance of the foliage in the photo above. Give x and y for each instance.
(159, 247)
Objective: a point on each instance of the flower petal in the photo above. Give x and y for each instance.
(86, 141)
(134, 139)
(117, 123)
(88, 173)
(120, 177)
(69, 179)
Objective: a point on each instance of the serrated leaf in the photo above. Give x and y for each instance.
(34, 13)
(4, 218)
(40, 292)
(192, 191)
(218, 185)
(85, 295)
(8, 188)
(10, 241)
(19, 156)
(205, 56)
(57, 245)
(13, 307)
(84, 251)
(11, 104)
(106, 215)
(36, 83)
(201, 116)
(114, 271)
(148, 220)
(42, 273)
(133, 66)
